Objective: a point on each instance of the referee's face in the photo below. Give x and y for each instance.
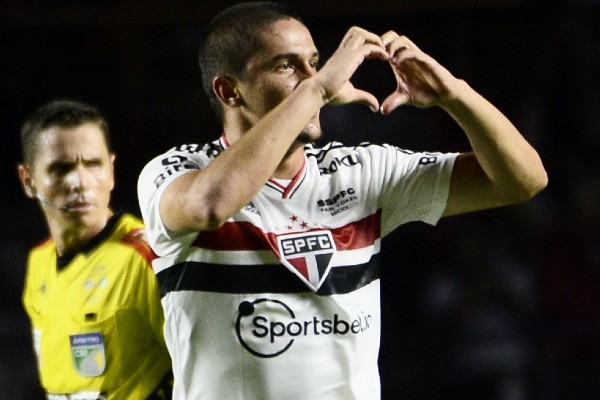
(73, 177)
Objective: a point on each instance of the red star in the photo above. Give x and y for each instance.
(304, 225)
(294, 218)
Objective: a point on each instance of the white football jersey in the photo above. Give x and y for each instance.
(282, 301)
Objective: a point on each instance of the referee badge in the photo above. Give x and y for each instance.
(87, 351)
(308, 255)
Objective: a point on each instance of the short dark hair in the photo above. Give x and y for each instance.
(232, 37)
(63, 113)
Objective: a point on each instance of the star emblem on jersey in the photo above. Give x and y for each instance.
(296, 224)
(308, 255)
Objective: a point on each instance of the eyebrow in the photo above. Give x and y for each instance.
(60, 163)
(282, 56)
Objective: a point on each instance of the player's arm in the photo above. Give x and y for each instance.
(205, 199)
(503, 168)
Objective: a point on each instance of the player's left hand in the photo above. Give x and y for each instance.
(421, 81)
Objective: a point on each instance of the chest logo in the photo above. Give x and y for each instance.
(308, 255)
(87, 351)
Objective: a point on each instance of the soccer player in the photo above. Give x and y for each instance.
(90, 291)
(269, 245)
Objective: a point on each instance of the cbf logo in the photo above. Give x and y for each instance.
(308, 255)
(87, 351)
(268, 328)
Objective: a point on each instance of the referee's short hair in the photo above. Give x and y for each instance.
(63, 113)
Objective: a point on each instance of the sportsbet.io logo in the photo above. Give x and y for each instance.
(268, 327)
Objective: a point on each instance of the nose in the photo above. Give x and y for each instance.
(308, 70)
(78, 179)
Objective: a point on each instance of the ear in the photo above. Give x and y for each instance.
(112, 168)
(224, 88)
(26, 180)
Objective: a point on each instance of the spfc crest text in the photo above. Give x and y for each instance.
(308, 255)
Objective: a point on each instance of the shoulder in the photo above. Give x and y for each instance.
(44, 245)
(131, 232)
(43, 248)
(190, 151)
(177, 161)
(320, 151)
(336, 148)
(326, 153)
(334, 154)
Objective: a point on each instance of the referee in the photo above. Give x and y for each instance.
(90, 291)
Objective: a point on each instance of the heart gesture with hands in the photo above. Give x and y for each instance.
(421, 81)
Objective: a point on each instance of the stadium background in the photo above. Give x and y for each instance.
(496, 305)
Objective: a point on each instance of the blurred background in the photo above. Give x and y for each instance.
(496, 305)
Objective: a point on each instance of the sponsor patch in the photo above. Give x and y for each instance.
(268, 327)
(87, 351)
(307, 255)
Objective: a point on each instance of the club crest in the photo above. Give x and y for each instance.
(308, 255)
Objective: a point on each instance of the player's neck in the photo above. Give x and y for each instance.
(291, 163)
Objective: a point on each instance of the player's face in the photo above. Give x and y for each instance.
(73, 176)
(287, 57)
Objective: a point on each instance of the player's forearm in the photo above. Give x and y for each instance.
(215, 193)
(511, 164)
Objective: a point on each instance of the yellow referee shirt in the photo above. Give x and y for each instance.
(97, 320)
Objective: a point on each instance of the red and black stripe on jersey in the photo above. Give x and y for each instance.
(271, 278)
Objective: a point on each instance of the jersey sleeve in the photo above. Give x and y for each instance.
(412, 186)
(153, 180)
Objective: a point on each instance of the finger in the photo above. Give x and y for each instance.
(356, 37)
(395, 44)
(409, 54)
(352, 95)
(371, 51)
(394, 101)
(391, 36)
(346, 61)
(366, 98)
(410, 43)
(388, 37)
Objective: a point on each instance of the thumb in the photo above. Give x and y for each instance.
(366, 98)
(352, 95)
(394, 101)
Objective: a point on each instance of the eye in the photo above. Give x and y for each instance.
(285, 66)
(60, 168)
(93, 163)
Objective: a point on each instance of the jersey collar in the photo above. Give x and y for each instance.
(65, 259)
(286, 191)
